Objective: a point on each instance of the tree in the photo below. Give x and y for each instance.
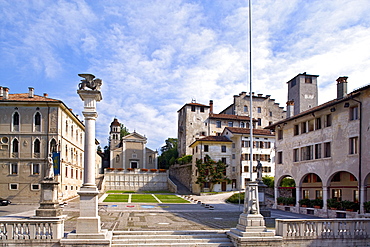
(269, 181)
(211, 172)
(169, 153)
(124, 131)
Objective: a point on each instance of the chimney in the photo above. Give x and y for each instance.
(289, 108)
(30, 92)
(46, 95)
(259, 95)
(341, 87)
(6, 93)
(211, 106)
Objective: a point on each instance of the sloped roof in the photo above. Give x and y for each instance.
(320, 107)
(247, 131)
(115, 122)
(212, 139)
(229, 117)
(195, 104)
(24, 97)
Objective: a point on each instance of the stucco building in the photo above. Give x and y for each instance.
(32, 128)
(325, 148)
(130, 151)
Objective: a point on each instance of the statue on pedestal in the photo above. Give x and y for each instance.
(259, 171)
(89, 82)
(49, 169)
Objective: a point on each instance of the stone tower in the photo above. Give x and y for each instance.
(302, 90)
(114, 134)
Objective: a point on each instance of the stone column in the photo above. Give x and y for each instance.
(144, 155)
(362, 198)
(297, 197)
(88, 223)
(325, 197)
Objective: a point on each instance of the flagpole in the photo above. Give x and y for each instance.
(250, 94)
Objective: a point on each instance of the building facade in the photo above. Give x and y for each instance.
(325, 149)
(33, 128)
(130, 151)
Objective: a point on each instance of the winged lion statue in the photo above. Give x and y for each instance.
(89, 82)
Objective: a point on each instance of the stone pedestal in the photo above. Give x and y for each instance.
(264, 210)
(49, 205)
(251, 229)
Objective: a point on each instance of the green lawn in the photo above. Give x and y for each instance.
(116, 198)
(143, 198)
(171, 199)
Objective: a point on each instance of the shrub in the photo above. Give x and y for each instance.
(235, 198)
(269, 181)
(349, 205)
(317, 202)
(306, 202)
(185, 159)
(280, 200)
(333, 203)
(289, 200)
(367, 206)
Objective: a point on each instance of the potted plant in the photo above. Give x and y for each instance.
(333, 203)
(144, 169)
(130, 169)
(348, 205)
(305, 203)
(162, 170)
(317, 203)
(290, 201)
(367, 207)
(153, 170)
(120, 169)
(280, 200)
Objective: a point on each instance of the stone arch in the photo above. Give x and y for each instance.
(366, 185)
(343, 185)
(311, 186)
(283, 188)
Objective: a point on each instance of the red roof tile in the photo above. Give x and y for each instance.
(24, 97)
(230, 117)
(247, 131)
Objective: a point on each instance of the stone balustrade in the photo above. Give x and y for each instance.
(31, 229)
(296, 229)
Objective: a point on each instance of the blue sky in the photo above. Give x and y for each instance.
(156, 55)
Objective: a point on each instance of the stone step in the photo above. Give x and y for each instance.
(198, 238)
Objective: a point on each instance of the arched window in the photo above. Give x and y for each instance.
(15, 121)
(15, 146)
(117, 158)
(53, 146)
(36, 146)
(242, 125)
(37, 121)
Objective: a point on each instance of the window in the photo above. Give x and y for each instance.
(259, 109)
(76, 174)
(306, 153)
(35, 169)
(35, 187)
(202, 109)
(71, 172)
(66, 126)
(16, 121)
(134, 164)
(267, 144)
(336, 177)
(13, 186)
(327, 150)
(53, 146)
(246, 168)
(306, 194)
(303, 127)
(353, 113)
(233, 156)
(205, 148)
(353, 145)
(37, 121)
(230, 124)
(318, 194)
(270, 113)
(14, 169)
(36, 146)
(280, 134)
(15, 146)
(223, 149)
(328, 120)
(336, 194)
(66, 169)
(318, 123)
(242, 125)
(223, 160)
(318, 151)
(218, 124)
(245, 108)
(308, 80)
(193, 108)
(311, 125)
(280, 157)
(296, 129)
(259, 121)
(295, 154)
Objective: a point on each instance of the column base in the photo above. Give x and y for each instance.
(104, 238)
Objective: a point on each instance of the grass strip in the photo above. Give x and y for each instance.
(171, 199)
(119, 191)
(143, 198)
(116, 198)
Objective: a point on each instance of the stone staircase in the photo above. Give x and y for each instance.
(181, 189)
(199, 238)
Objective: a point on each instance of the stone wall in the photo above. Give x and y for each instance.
(135, 180)
(183, 174)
